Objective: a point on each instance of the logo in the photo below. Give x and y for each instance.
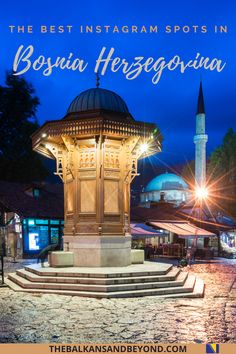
(212, 348)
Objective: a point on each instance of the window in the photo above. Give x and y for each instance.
(36, 238)
(54, 222)
(36, 192)
(54, 233)
(38, 233)
(41, 222)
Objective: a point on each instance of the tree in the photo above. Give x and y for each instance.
(222, 170)
(18, 106)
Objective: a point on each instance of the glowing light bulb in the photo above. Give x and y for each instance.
(144, 147)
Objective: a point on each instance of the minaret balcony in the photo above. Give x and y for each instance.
(200, 138)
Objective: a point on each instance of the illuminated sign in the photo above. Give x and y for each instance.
(33, 241)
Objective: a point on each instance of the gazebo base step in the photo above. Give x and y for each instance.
(148, 279)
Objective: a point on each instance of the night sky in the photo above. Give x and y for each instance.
(172, 102)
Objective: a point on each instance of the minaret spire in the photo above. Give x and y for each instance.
(200, 140)
(200, 103)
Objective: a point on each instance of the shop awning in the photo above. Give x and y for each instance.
(143, 230)
(183, 229)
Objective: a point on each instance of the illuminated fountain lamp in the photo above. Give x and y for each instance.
(96, 147)
(144, 148)
(150, 146)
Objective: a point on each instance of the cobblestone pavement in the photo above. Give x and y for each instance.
(66, 319)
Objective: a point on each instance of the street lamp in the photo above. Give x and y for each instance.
(201, 193)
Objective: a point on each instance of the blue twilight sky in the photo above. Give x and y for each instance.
(172, 102)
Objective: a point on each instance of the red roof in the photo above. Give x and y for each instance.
(18, 198)
(168, 212)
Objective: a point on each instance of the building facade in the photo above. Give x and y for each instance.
(31, 217)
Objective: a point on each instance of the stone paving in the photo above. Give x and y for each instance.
(30, 318)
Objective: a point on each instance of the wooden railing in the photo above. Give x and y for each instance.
(94, 126)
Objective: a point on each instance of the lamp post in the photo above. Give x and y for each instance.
(201, 194)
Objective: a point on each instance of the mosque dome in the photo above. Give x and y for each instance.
(166, 181)
(98, 98)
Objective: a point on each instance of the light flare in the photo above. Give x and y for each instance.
(202, 193)
(143, 148)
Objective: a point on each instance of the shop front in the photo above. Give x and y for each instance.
(39, 233)
(144, 235)
(228, 243)
(146, 238)
(183, 236)
(31, 217)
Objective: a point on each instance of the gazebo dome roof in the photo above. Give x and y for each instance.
(98, 98)
(166, 181)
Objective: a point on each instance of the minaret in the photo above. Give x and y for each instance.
(200, 140)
